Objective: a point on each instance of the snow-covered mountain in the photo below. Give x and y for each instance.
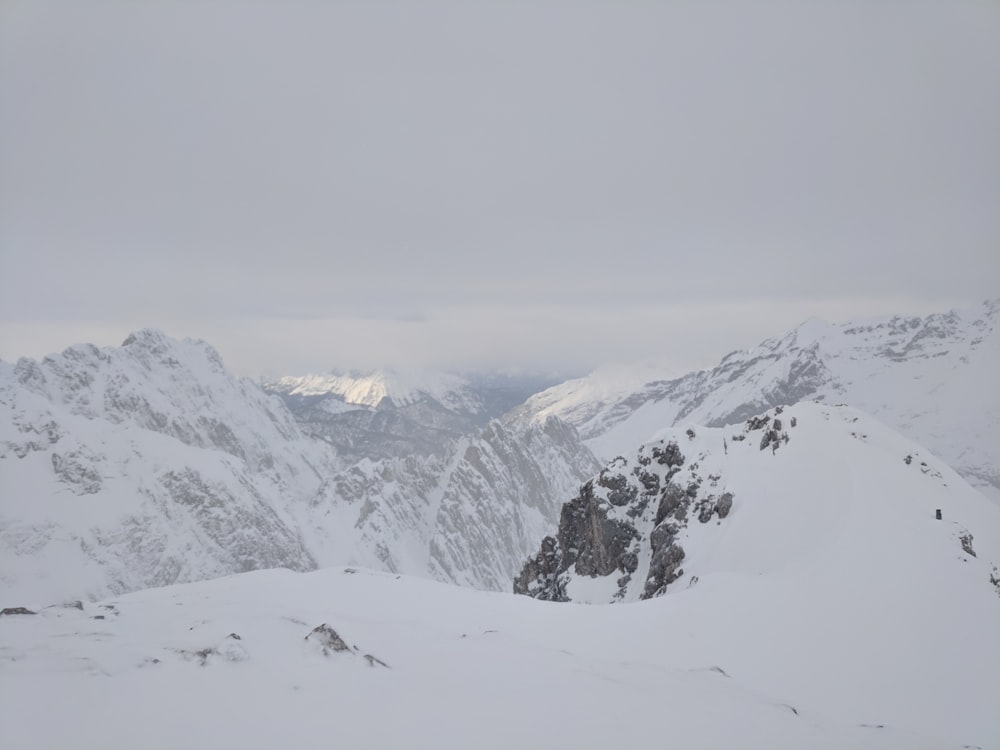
(143, 465)
(387, 413)
(149, 464)
(934, 379)
(372, 388)
(832, 611)
(795, 489)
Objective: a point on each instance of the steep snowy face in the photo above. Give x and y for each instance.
(145, 465)
(809, 489)
(932, 378)
(468, 517)
(387, 414)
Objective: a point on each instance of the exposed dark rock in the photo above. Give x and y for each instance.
(620, 492)
(966, 540)
(612, 527)
(17, 611)
(540, 576)
(664, 569)
(591, 542)
(650, 482)
(327, 639)
(669, 456)
(770, 438)
(724, 505)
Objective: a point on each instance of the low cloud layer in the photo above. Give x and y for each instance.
(479, 184)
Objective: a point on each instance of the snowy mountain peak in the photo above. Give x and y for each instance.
(148, 464)
(372, 388)
(933, 378)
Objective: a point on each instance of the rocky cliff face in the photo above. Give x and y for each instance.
(149, 464)
(469, 516)
(628, 522)
(931, 378)
(755, 498)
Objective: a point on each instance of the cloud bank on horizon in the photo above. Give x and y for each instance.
(485, 184)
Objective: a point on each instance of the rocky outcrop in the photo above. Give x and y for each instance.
(629, 523)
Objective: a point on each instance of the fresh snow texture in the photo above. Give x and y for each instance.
(739, 662)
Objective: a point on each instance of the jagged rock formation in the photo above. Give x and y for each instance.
(932, 378)
(627, 521)
(738, 499)
(149, 464)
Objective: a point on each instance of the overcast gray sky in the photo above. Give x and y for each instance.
(534, 184)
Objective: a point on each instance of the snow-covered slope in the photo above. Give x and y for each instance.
(281, 659)
(149, 464)
(143, 465)
(800, 491)
(934, 379)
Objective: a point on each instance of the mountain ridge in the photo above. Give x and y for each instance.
(932, 378)
(149, 464)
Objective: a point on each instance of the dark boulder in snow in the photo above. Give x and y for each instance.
(16, 611)
(327, 639)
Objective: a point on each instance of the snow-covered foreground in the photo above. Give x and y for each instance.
(776, 661)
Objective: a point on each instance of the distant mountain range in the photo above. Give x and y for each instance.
(387, 413)
(791, 488)
(149, 464)
(798, 587)
(933, 378)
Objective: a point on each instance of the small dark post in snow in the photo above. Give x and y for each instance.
(938, 514)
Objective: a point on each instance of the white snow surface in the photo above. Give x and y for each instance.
(832, 611)
(934, 379)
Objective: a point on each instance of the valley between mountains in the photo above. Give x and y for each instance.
(797, 548)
